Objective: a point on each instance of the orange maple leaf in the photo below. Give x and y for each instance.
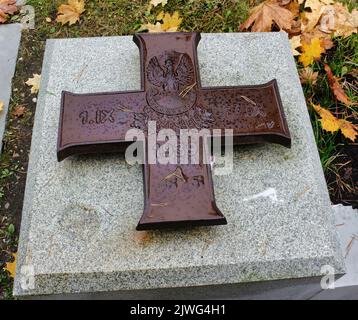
(332, 124)
(349, 130)
(328, 121)
(70, 13)
(336, 87)
(265, 14)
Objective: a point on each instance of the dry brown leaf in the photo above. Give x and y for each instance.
(346, 23)
(295, 43)
(19, 111)
(336, 87)
(294, 7)
(34, 83)
(307, 76)
(70, 13)
(265, 14)
(311, 52)
(7, 7)
(2, 104)
(11, 266)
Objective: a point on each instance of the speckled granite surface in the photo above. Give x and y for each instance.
(79, 217)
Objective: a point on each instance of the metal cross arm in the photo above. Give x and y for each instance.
(171, 95)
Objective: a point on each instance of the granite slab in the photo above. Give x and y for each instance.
(79, 217)
(10, 35)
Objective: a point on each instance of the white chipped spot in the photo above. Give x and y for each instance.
(27, 279)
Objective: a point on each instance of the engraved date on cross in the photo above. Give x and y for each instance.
(171, 94)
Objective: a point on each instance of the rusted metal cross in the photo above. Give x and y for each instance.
(171, 94)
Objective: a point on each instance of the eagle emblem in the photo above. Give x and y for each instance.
(172, 84)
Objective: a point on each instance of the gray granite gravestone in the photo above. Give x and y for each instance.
(10, 35)
(78, 236)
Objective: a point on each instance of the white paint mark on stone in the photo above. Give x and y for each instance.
(268, 193)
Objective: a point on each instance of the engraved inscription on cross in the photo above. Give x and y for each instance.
(171, 95)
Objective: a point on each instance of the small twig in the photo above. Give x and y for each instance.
(186, 90)
(124, 109)
(162, 204)
(248, 100)
(350, 244)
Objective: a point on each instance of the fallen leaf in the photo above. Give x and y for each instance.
(313, 17)
(283, 2)
(34, 83)
(295, 43)
(157, 27)
(294, 8)
(336, 87)
(265, 14)
(326, 39)
(70, 13)
(307, 76)
(19, 111)
(349, 130)
(11, 266)
(48, 19)
(170, 23)
(7, 7)
(345, 23)
(1, 106)
(154, 3)
(311, 52)
(328, 121)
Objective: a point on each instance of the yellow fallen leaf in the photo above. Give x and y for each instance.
(311, 52)
(326, 39)
(170, 23)
(295, 43)
(70, 13)
(11, 266)
(154, 3)
(328, 121)
(152, 27)
(34, 83)
(349, 130)
(1, 106)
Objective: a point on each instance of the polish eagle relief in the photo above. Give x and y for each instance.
(171, 94)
